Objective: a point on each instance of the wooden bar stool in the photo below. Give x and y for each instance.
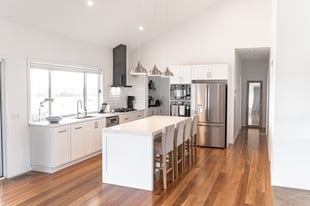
(188, 142)
(194, 130)
(178, 146)
(164, 149)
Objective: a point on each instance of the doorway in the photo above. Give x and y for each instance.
(252, 70)
(254, 103)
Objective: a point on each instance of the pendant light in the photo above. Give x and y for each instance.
(155, 71)
(167, 72)
(139, 69)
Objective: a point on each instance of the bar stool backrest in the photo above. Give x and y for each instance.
(179, 133)
(168, 138)
(187, 130)
(194, 124)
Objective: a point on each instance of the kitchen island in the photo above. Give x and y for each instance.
(127, 151)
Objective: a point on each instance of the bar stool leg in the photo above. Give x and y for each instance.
(182, 157)
(164, 171)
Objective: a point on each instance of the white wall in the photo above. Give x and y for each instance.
(291, 132)
(161, 92)
(237, 95)
(16, 44)
(254, 70)
(212, 38)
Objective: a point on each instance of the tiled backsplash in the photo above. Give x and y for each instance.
(117, 96)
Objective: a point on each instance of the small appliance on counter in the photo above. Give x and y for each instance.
(107, 109)
(103, 107)
(180, 100)
(130, 100)
(180, 91)
(180, 109)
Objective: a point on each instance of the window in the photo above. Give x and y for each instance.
(55, 90)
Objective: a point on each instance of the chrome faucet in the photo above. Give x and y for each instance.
(42, 105)
(77, 108)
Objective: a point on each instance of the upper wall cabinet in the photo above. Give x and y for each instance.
(182, 74)
(210, 72)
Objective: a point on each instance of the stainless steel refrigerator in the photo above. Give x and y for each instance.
(209, 102)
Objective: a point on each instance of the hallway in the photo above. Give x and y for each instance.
(237, 176)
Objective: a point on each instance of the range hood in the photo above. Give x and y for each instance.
(119, 66)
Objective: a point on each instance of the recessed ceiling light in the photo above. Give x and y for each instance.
(141, 28)
(90, 3)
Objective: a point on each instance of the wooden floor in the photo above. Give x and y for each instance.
(238, 176)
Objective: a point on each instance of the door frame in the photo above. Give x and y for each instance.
(260, 103)
(4, 115)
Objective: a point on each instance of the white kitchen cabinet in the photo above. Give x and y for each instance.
(154, 111)
(210, 72)
(61, 146)
(77, 140)
(182, 74)
(50, 147)
(131, 116)
(92, 137)
(55, 147)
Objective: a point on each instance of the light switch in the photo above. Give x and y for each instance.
(15, 116)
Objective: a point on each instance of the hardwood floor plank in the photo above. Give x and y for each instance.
(238, 175)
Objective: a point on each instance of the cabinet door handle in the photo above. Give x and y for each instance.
(96, 125)
(62, 131)
(126, 118)
(78, 128)
(139, 115)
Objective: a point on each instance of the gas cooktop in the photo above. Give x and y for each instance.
(124, 109)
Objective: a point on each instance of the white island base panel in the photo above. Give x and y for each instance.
(128, 160)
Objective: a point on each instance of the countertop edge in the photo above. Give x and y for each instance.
(71, 120)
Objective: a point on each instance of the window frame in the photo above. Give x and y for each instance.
(34, 64)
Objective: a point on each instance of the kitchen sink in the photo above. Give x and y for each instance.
(84, 117)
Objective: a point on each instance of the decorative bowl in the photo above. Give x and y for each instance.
(53, 119)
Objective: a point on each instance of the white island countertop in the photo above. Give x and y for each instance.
(127, 151)
(147, 126)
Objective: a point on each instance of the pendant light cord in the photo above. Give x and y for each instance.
(167, 23)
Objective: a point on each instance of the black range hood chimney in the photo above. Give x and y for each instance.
(119, 66)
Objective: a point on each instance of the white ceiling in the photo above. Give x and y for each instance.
(108, 22)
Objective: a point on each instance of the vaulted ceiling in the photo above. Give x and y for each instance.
(107, 22)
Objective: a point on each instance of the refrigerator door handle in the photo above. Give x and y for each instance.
(206, 104)
(208, 101)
